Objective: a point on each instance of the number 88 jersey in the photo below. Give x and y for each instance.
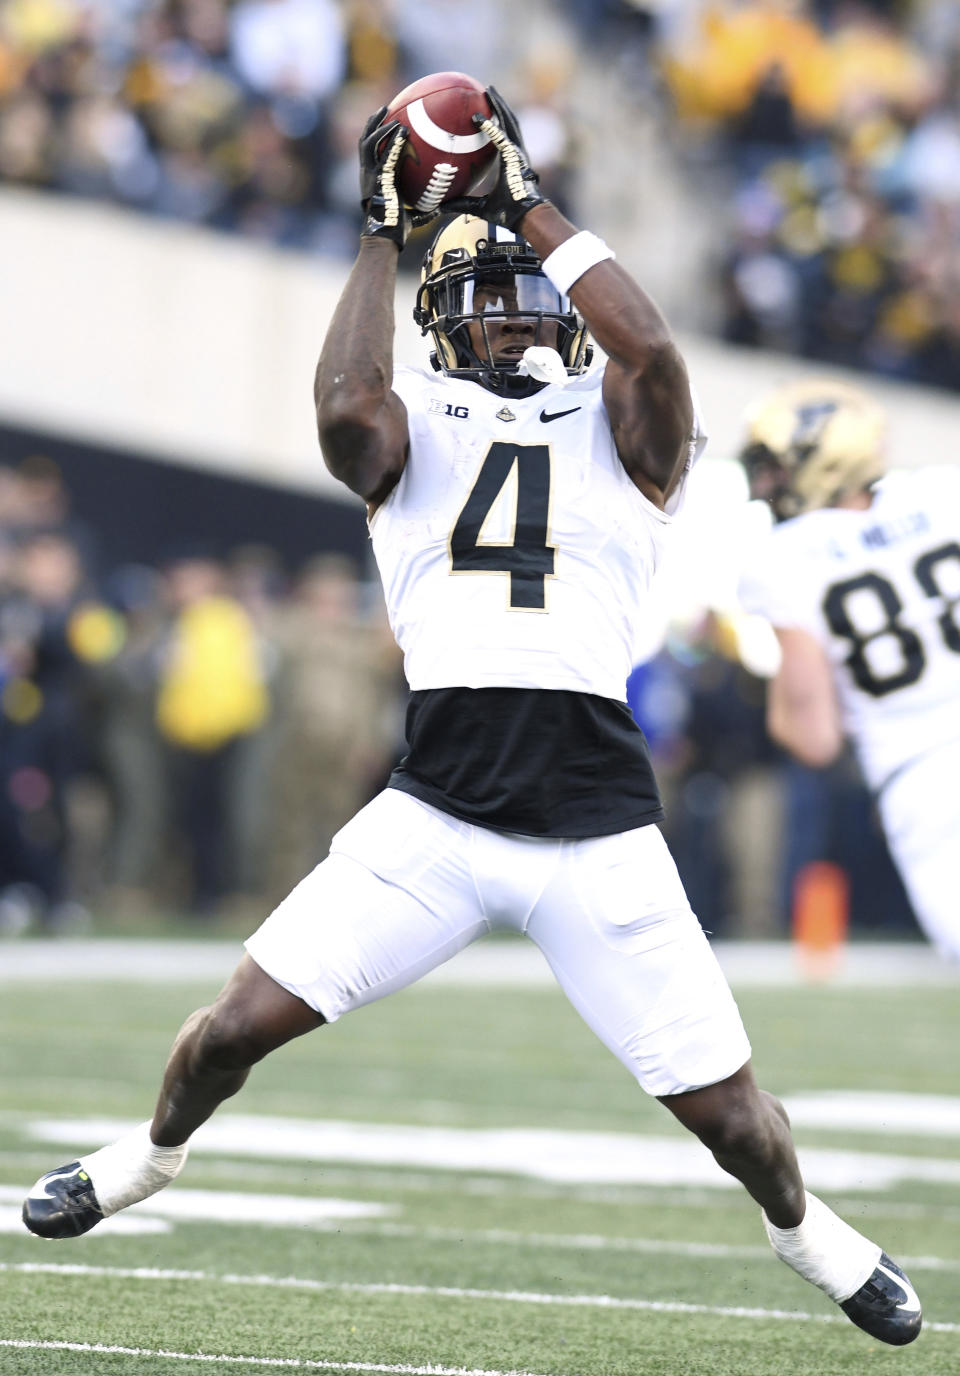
(880, 590)
(515, 551)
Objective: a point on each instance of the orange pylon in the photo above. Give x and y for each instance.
(821, 917)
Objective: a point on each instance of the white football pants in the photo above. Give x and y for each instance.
(920, 811)
(406, 887)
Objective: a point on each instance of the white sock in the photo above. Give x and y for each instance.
(825, 1250)
(131, 1169)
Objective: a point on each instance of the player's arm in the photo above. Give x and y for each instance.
(361, 422)
(803, 714)
(645, 387)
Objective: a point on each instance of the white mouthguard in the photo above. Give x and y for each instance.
(545, 365)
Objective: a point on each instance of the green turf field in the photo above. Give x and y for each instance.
(429, 1260)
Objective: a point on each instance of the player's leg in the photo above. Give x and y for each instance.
(216, 1048)
(920, 810)
(628, 951)
(748, 1133)
(393, 900)
(209, 1061)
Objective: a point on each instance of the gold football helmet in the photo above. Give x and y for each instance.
(811, 443)
(467, 254)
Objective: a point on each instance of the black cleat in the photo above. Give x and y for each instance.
(62, 1203)
(886, 1306)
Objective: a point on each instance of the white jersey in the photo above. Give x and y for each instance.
(515, 551)
(880, 590)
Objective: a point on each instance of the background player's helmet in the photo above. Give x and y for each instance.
(811, 443)
(469, 252)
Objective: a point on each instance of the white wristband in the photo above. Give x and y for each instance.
(567, 263)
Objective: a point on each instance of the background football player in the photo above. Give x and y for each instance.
(860, 577)
(518, 506)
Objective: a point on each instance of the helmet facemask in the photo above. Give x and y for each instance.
(478, 282)
(768, 480)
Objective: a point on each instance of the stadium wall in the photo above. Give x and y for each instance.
(193, 348)
(139, 509)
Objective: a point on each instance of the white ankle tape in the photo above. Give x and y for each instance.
(131, 1169)
(571, 259)
(825, 1250)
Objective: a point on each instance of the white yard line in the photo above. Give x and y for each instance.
(577, 1157)
(289, 1363)
(596, 1242)
(880, 1111)
(19, 1164)
(487, 963)
(498, 1237)
(613, 1302)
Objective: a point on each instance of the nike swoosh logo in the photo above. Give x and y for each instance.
(912, 1302)
(43, 1192)
(546, 416)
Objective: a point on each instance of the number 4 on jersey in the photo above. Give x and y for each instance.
(527, 557)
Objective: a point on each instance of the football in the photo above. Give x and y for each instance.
(445, 156)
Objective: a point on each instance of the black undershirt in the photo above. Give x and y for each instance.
(535, 761)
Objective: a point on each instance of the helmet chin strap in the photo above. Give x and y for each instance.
(544, 365)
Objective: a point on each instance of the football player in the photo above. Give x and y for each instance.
(518, 506)
(860, 578)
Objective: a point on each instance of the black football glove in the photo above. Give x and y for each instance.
(385, 215)
(515, 191)
(380, 149)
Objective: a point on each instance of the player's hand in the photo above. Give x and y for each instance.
(515, 191)
(380, 149)
(385, 215)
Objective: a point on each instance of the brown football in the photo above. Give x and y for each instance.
(445, 156)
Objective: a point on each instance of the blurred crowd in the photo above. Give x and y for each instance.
(826, 133)
(837, 126)
(181, 739)
(185, 739)
(242, 115)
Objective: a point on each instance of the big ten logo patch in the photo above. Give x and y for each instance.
(446, 408)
